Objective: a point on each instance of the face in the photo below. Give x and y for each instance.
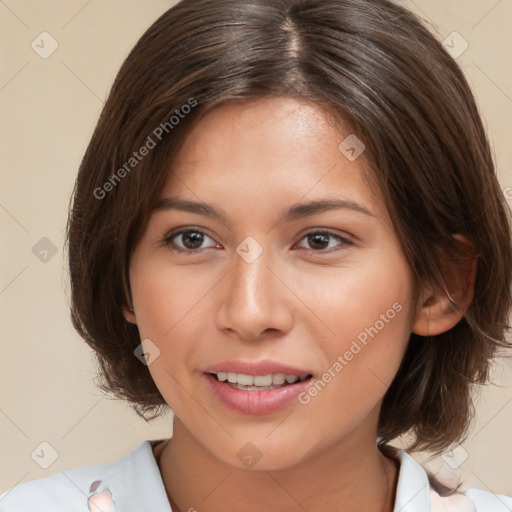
(240, 304)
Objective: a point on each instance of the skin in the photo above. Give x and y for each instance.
(300, 302)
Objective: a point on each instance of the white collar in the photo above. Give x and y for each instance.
(413, 487)
(134, 482)
(142, 475)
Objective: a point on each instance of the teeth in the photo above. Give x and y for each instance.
(277, 379)
(245, 380)
(259, 380)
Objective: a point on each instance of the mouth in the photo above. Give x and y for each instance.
(258, 382)
(261, 388)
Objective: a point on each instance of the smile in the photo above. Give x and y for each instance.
(252, 393)
(257, 382)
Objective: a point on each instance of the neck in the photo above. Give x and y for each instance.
(345, 477)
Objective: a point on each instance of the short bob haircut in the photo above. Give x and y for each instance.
(368, 63)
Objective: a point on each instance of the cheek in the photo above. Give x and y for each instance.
(370, 293)
(369, 311)
(161, 317)
(164, 298)
(170, 311)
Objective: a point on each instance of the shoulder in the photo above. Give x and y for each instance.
(132, 481)
(414, 493)
(473, 500)
(485, 501)
(50, 493)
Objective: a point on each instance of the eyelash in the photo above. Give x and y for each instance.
(168, 240)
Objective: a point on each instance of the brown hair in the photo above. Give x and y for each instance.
(370, 63)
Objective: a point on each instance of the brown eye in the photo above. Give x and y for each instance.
(192, 239)
(186, 240)
(320, 240)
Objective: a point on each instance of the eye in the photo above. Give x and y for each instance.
(191, 240)
(319, 240)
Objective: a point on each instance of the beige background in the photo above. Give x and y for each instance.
(48, 110)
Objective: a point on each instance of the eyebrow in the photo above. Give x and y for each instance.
(294, 212)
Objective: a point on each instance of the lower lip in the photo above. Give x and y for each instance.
(256, 402)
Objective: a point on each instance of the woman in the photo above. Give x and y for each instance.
(278, 231)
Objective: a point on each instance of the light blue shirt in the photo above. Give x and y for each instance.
(134, 484)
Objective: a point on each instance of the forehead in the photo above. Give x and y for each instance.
(268, 152)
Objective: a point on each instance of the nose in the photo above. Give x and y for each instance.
(255, 300)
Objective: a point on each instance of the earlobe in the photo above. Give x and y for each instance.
(128, 312)
(436, 313)
(129, 315)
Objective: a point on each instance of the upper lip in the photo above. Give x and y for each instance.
(257, 368)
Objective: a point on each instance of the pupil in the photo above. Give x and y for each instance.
(318, 238)
(197, 239)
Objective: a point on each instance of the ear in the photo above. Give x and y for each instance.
(129, 314)
(435, 311)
